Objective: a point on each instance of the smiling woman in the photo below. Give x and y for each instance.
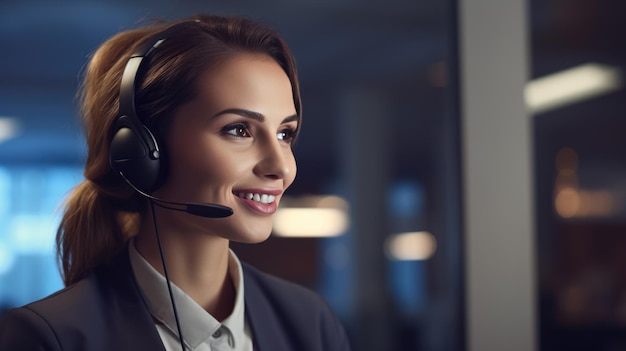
(199, 113)
(234, 139)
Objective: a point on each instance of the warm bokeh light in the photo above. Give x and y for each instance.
(567, 202)
(311, 216)
(310, 222)
(571, 202)
(412, 246)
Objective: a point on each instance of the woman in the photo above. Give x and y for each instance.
(193, 151)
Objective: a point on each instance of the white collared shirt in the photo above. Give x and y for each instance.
(201, 331)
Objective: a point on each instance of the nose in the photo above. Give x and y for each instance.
(276, 161)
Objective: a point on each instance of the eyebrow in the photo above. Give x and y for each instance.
(251, 114)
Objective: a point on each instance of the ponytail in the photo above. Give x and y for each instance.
(102, 212)
(89, 232)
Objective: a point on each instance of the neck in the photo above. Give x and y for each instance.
(196, 262)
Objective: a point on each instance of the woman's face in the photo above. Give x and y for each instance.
(231, 146)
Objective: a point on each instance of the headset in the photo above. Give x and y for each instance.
(134, 151)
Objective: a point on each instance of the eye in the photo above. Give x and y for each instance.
(240, 130)
(287, 134)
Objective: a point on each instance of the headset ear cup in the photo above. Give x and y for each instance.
(129, 155)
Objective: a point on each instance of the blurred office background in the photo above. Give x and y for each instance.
(382, 220)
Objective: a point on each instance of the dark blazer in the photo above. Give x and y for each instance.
(105, 311)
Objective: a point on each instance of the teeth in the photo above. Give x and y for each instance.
(263, 198)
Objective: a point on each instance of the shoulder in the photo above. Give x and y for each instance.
(24, 329)
(103, 311)
(76, 303)
(70, 301)
(37, 325)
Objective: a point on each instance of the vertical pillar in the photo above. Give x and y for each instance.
(497, 171)
(365, 170)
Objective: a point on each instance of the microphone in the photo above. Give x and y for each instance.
(194, 208)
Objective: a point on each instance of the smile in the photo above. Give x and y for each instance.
(262, 198)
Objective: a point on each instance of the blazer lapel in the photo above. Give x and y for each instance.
(266, 328)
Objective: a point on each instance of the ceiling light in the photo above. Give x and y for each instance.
(571, 86)
(8, 128)
(311, 216)
(310, 222)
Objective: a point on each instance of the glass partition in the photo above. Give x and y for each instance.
(580, 170)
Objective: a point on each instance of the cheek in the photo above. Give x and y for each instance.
(224, 167)
(209, 165)
(292, 176)
(193, 161)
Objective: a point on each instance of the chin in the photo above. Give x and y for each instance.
(252, 239)
(252, 235)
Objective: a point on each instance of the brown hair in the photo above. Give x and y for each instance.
(103, 212)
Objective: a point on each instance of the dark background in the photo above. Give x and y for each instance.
(377, 77)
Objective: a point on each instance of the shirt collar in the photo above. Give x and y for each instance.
(196, 324)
